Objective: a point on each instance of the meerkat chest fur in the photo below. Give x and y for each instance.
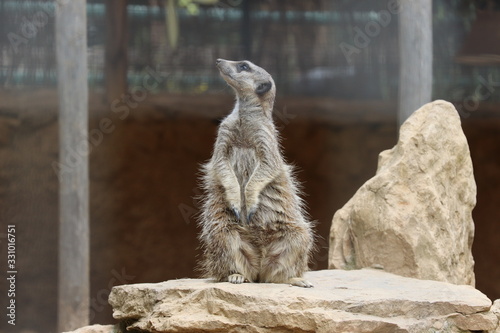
(252, 141)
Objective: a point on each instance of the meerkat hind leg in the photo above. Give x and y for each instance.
(285, 256)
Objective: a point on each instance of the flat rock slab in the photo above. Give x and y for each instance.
(364, 300)
(98, 329)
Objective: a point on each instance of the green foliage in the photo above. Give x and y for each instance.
(193, 6)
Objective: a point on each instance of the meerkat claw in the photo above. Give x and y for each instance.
(251, 212)
(236, 278)
(300, 282)
(236, 212)
(249, 216)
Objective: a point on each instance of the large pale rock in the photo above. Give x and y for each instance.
(342, 301)
(413, 218)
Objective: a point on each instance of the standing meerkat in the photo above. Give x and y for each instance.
(254, 227)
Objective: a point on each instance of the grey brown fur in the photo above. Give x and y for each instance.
(254, 227)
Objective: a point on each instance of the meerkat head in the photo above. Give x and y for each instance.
(250, 82)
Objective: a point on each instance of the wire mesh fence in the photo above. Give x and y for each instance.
(342, 49)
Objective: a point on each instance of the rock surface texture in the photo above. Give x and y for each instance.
(413, 218)
(98, 329)
(341, 301)
(495, 309)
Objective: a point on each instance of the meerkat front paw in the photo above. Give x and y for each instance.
(234, 200)
(236, 278)
(300, 282)
(236, 210)
(251, 202)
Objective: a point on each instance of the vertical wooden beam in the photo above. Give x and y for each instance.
(415, 54)
(116, 49)
(71, 53)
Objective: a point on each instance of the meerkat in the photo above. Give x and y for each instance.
(253, 224)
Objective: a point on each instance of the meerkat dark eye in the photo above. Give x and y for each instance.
(243, 66)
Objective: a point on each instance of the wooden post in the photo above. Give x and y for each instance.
(415, 54)
(246, 30)
(71, 53)
(116, 49)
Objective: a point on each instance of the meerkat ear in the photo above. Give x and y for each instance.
(263, 87)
